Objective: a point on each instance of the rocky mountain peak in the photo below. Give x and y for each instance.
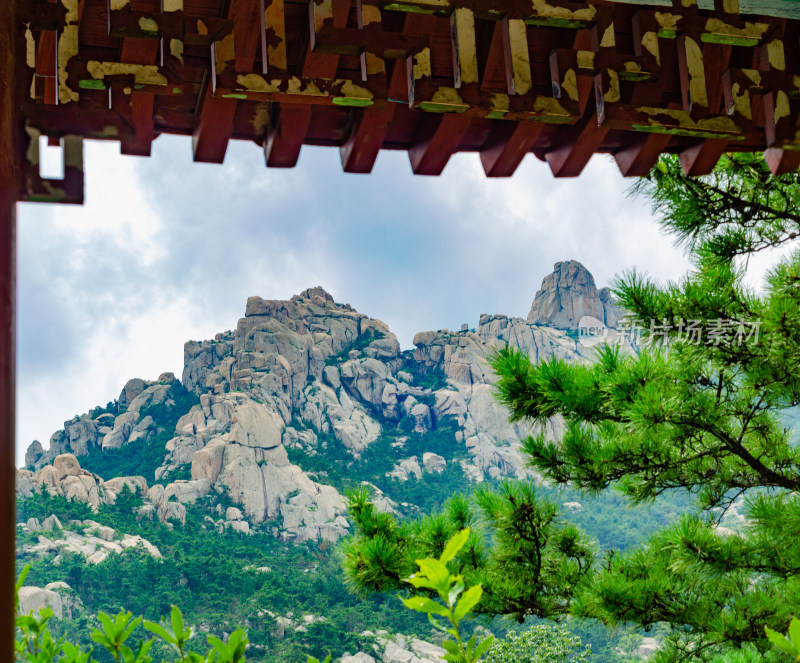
(314, 293)
(568, 294)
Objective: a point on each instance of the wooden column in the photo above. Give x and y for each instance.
(9, 194)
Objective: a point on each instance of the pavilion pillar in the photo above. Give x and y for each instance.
(9, 194)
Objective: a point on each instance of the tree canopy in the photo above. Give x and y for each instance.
(702, 407)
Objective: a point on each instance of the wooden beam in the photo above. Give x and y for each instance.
(142, 117)
(46, 66)
(213, 128)
(10, 157)
(435, 140)
(507, 145)
(465, 52)
(246, 32)
(782, 161)
(146, 52)
(324, 65)
(139, 51)
(214, 125)
(285, 137)
(574, 146)
(701, 158)
(517, 55)
(274, 36)
(361, 148)
(640, 154)
(495, 65)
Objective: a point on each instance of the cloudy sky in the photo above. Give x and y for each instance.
(165, 250)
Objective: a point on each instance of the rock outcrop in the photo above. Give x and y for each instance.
(88, 538)
(57, 596)
(34, 452)
(567, 295)
(66, 478)
(396, 648)
(311, 376)
(108, 430)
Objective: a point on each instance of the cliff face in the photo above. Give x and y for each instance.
(568, 294)
(309, 377)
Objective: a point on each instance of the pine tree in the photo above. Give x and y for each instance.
(702, 408)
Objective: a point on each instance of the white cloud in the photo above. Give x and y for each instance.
(165, 251)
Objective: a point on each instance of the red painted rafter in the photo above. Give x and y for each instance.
(507, 145)
(46, 66)
(436, 139)
(360, 149)
(146, 52)
(782, 161)
(324, 65)
(215, 122)
(701, 158)
(275, 44)
(495, 65)
(574, 146)
(640, 154)
(285, 138)
(213, 129)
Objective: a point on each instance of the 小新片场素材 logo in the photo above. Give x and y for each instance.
(591, 331)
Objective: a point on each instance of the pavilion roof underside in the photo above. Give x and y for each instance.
(504, 78)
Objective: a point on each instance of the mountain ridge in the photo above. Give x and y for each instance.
(309, 378)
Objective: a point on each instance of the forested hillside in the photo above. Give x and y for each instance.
(235, 477)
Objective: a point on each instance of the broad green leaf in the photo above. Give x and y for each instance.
(435, 623)
(455, 590)
(220, 646)
(424, 604)
(483, 646)
(450, 646)
(420, 581)
(127, 632)
(177, 623)
(471, 646)
(780, 641)
(455, 544)
(794, 633)
(161, 632)
(468, 601)
(108, 625)
(434, 570)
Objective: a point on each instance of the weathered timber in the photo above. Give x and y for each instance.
(563, 79)
(9, 194)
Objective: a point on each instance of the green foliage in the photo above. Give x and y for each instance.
(312, 659)
(739, 209)
(214, 577)
(456, 601)
(704, 416)
(358, 344)
(432, 377)
(335, 465)
(541, 643)
(112, 407)
(704, 419)
(521, 549)
(143, 458)
(113, 634)
(788, 645)
(35, 644)
(174, 632)
(41, 505)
